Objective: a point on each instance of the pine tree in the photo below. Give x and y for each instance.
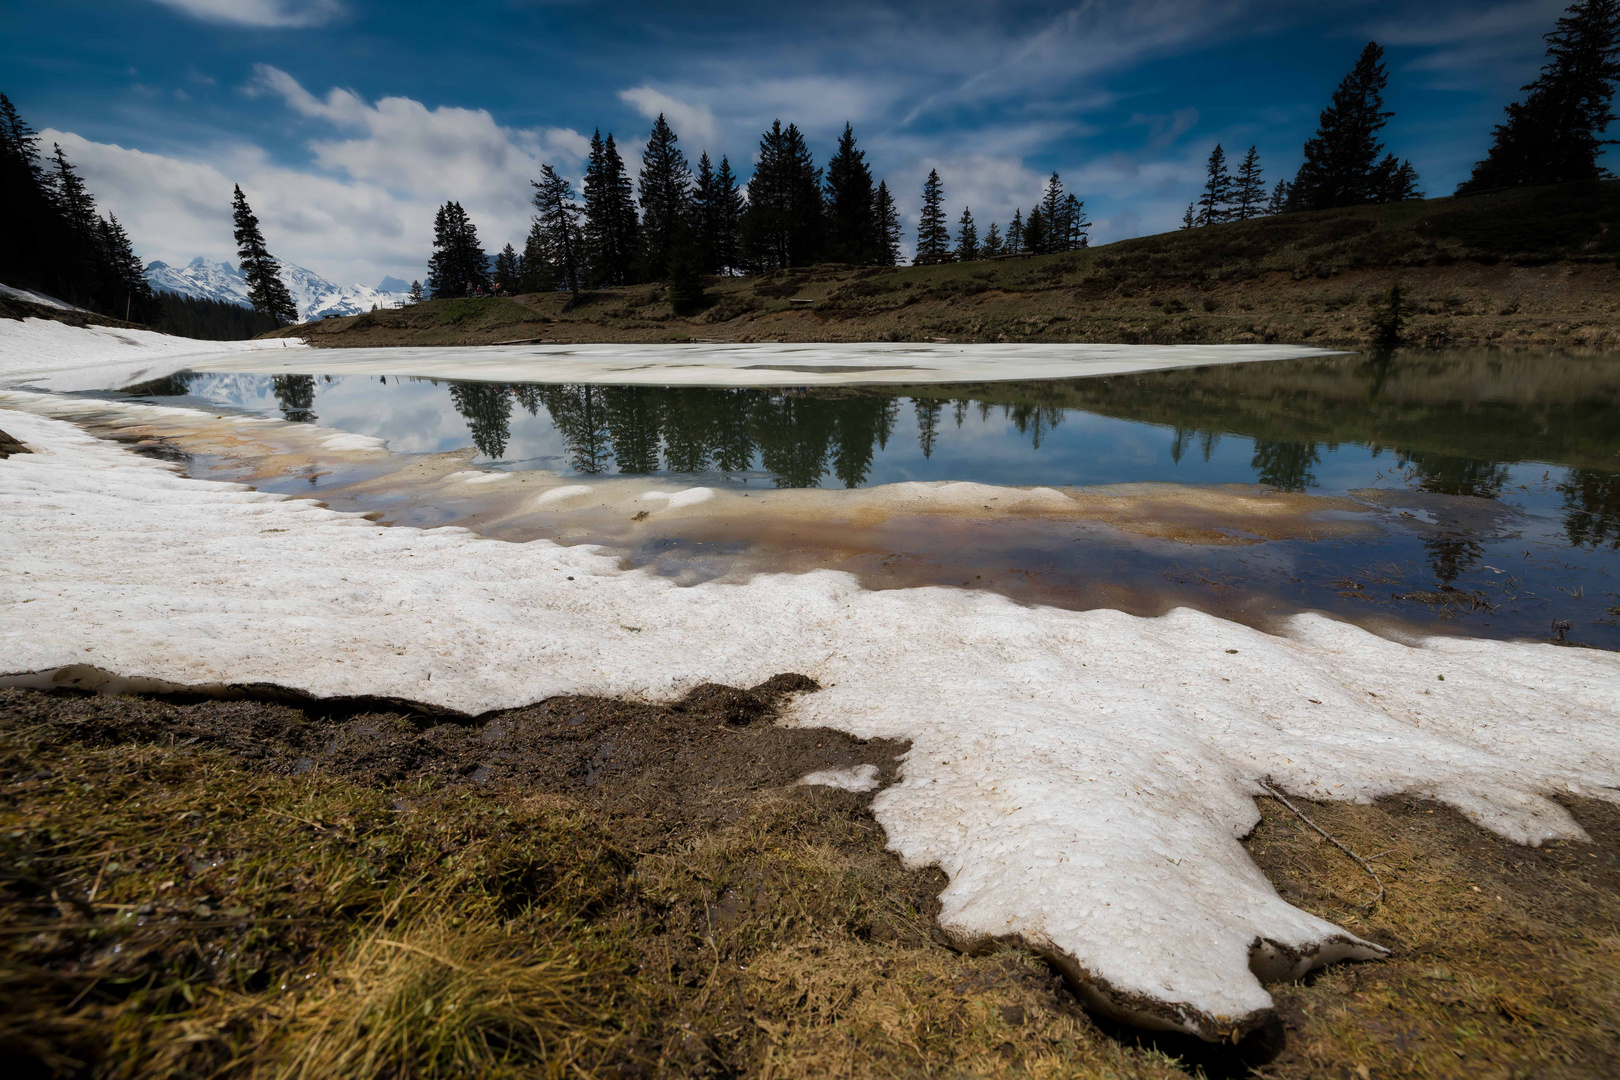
(1341, 159)
(266, 290)
(458, 266)
(888, 222)
(726, 221)
(990, 246)
(967, 237)
(556, 235)
(1212, 204)
(783, 223)
(932, 236)
(1249, 188)
(852, 228)
(1189, 220)
(80, 255)
(1076, 227)
(1401, 183)
(666, 193)
(1015, 233)
(508, 269)
(1279, 198)
(612, 230)
(415, 295)
(31, 230)
(1555, 134)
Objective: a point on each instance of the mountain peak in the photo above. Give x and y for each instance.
(315, 295)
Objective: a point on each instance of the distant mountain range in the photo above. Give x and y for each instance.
(315, 296)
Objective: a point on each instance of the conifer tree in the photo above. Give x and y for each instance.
(932, 236)
(1212, 204)
(666, 195)
(1076, 227)
(720, 248)
(508, 269)
(1248, 188)
(1037, 234)
(1555, 134)
(1015, 233)
(852, 228)
(458, 266)
(967, 237)
(30, 228)
(1341, 159)
(415, 295)
(266, 290)
(556, 235)
(783, 223)
(1400, 181)
(1052, 206)
(125, 279)
(888, 222)
(990, 246)
(1189, 220)
(612, 230)
(1279, 198)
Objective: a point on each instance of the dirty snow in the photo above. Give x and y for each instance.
(55, 356)
(755, 364)
(854, 778)
(1083, 778)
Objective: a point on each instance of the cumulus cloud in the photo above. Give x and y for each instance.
(694, 124)
(284, 14)
(360, 208)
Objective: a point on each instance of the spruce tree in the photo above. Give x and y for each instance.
(1037, 234)
(1212, 204)
(458, 266)
(728, 214)
(932, 236)
(782, 226)
(1555, 134)
(1076, 227)
(1401, 182)
(666, 193)
(611, 227)
(266, 290)
(31, 230)
(556, 231)
(1056, 231)
(1015, 233)
(888, 222)
(1248, 188)
(1189, 220)
(1341, 159)
(126, 291)
(1279, 198)
(508, 268)
(705, 214)
(852, 230)
(990, 246)
(967, 237)
(415, 295)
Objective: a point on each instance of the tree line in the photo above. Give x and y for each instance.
(52, 237)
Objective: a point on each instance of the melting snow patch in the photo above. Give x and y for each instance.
(854, 778)
(1083, 778)
(560, 494)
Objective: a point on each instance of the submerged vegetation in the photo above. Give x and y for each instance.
(597, 888)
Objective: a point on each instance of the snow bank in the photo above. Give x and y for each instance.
(756, 364)
(1083, 778)
(56, 356)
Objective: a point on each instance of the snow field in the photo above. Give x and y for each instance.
(56, 356)
(1083, 778)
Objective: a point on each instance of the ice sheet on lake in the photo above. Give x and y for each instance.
(55, 356)
(759, 364)
(1083, 778)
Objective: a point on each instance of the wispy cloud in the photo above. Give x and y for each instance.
(286, 14)
(694, 124)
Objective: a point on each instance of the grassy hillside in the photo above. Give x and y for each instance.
(1529, 267)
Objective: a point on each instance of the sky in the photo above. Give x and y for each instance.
(347, 122)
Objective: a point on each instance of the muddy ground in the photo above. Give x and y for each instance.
(239, 888)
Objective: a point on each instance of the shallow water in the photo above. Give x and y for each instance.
(1495, 477)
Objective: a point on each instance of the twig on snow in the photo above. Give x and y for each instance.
(1280, 797)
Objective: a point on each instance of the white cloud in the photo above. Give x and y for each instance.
(363, 205)
(284, 14)
(693, 124)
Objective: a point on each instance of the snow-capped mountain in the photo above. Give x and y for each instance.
(314, 295)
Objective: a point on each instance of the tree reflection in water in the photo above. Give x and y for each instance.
(1591, 508)
(296, 396)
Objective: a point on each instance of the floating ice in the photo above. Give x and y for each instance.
(1082, 778)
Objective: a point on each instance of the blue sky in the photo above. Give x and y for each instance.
(348, 121)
